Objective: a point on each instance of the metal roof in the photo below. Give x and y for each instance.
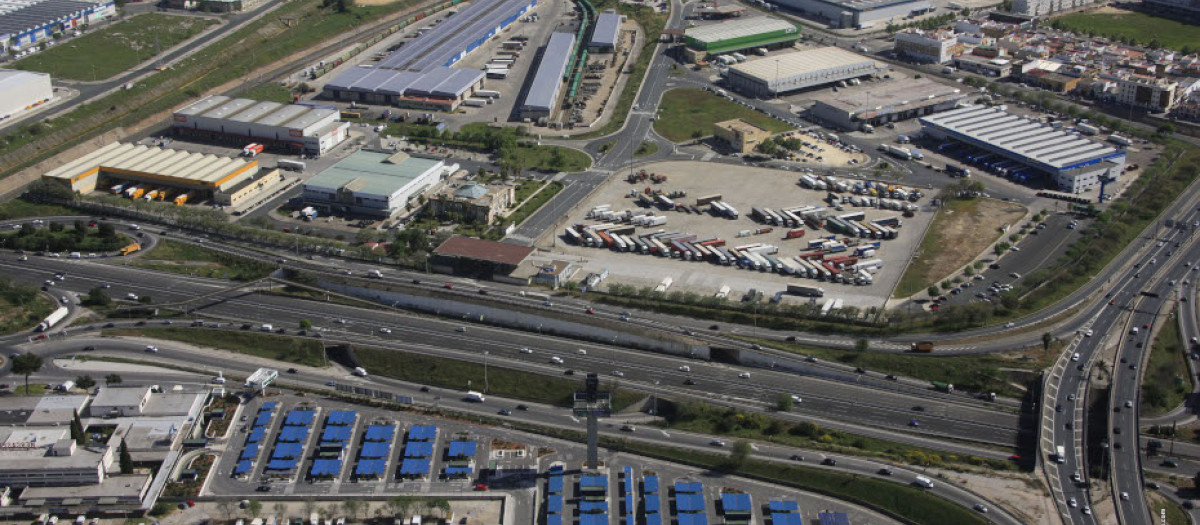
(739, 28)
(543, 91)
(18, 16)
(442, 45)
(498, 252)
(182, 166)
(372, 173)
(11, 78)
(255, 111)
(608, 29)
(800, 63)
(1021, 137)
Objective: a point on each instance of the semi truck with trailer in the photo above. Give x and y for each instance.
(54, 318)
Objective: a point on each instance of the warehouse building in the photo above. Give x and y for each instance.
(739, 135)
(877, 104)
(25, 23)
(290, 128)
(738, 35)
(542, 97)
(373, 184)
(476, 257)
(606, 34)
(419, 74)
(1074, 163)
(858, 14)
(22, 90)
(151, 172)
(772, 76)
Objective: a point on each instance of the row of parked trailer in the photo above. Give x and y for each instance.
(860, 187)
(644, 218)
(829, 259)
(145, 192)
(815, 217)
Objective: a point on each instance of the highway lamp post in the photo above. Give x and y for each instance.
(485, 371)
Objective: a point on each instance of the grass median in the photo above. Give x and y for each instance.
(467, 375)
(1167, 382)
(689, 113)
(21, 306)
(189, 259)
(534, 204)
(296, 350)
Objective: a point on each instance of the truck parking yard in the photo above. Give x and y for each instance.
(778, 231)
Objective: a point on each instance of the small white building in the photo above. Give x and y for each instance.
(937, 47)
(22, 90)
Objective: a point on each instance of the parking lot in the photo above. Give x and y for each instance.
(751, 187)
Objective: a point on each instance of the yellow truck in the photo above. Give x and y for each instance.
(130, 248)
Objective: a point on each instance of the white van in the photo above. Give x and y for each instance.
(923, 482)
(75, 255)
(266, 328)
(1133, 331)
(360, 371)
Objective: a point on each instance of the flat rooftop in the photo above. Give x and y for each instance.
(1021, 137)
(741, 27)
(373, 172)
(867, 5)
(800, 63)
(19, 16)
(254, 111)
(119, 486)
(178, 165)
(543, 90)
(742, 126)
(893, 94)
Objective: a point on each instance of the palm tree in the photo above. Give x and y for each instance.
(26, 364)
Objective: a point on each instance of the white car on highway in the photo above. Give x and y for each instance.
(385, 330)
(1088, 333)
(685, 368)
(526, 350)
(744, 375)
(556, 360)
(618, 373)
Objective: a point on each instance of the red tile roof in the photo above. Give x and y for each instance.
(472, 248)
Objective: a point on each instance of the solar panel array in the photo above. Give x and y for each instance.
(784, 512)
(459, 455)
(376, 448)
(543, 90)
(339, 426)
(736, 507)
(627, 494)
(289, 445)
(833, 518)
(422, 66)
(689, 503)
(554, 496)
(1021, 138)
(418, 451)
(593, 503)
(651, 504)
(258, 431)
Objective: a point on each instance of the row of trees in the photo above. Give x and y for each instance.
(354, 509)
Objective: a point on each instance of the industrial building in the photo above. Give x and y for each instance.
(876, 104)
(937, 47)
(1028, 146)
(477, 257)
(739, 135)
(988, 67)
(606, 34)
(419, 74)
(25, 23)
(542, 97)
(161, 174)
(1045, 7)
(373, 184)
(741, 34)
(21, 90)
(858, 14)
(772, 76)
(285, 127)
(472, 202)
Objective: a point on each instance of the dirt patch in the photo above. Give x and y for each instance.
(1109, 10)
(1023, 495)
(959, 233)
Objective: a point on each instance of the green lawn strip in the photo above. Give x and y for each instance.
(525, 188)
(689, 113)
(645, 149)
(652, 24)
(534, 204)
(512, 146)
(1167, 382)
(297, 350)
(976, 373)
(115, 49)
(270, 91)
(703, 418)
(466, 375)
(237, 55)
(20, 208)
(912, 504)
(22, 306)
(35, 389)
(1135, 28)
(182, 258)
(548, 158)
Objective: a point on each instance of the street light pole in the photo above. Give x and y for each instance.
(485, 371)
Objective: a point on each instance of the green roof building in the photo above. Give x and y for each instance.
(372, 183)
(743, 33)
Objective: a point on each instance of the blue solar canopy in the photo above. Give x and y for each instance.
(370, 467)
(375, 450)
(690, 487)
(288, 451)
(735, 502)
(786, 518)
(462, 449)
(268, 406)
(783, 506)
(297, 418)
(652, 503)
(698, 518)
(833, 518)
(554, 504)
(262, 419)
(293, 434)
(281, 464)
(650, 484)
(458, 471)
(243, 467)
(555, 486)
(593, 519)
(325, 467)
(380, 433)
(593, 482)
(422, 433)
(338, 433)
(653, 518)
(418, 449)
(593, 507)
(554, 519)
(689, 502)
(250, 452)
(415, 467)
(341, 417)
(256, 435)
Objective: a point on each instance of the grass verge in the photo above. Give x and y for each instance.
(1134, 28)
(296, 350)
(689, 113)
(35, 389)
(534, 204)
(645, 149)
(466, 375)
(1167, 382)
(189, 259)
(511, 146)
(20, 208)
(21, 306)
(271, 92)
(703, 418)
(116, 48)
(1168, 512)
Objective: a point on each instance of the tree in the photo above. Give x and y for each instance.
(85, 382)
(932, 291)
(862, 345)
(97, 297)
(400, 505)
(1047, 338)
(784, 403)
(77, 429)
(254, 507)
(305, 324)
(738, 455)
(126, 461)
(1166, 129)
(26, 365)
(112, 379)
